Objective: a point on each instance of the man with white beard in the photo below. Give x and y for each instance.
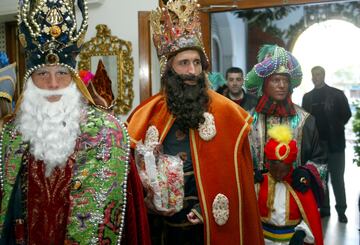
(65, 174)
(50, 111)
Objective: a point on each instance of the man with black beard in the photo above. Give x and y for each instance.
(65, 174)
(206, 130)
(186, 101)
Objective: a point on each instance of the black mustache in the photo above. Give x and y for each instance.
(190, 77)
(186, 102)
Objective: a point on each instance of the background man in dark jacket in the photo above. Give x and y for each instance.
(234, 89)
(331, 110)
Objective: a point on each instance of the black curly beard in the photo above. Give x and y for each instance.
(186, 102)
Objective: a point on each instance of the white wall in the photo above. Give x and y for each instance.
(231, 32)
(8, 10)
(239, 39)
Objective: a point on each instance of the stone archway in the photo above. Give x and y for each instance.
(348, 11)
(332, 44)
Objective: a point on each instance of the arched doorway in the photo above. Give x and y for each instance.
(333, 44)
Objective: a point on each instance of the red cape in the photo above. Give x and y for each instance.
(301, 206)
(136, 230)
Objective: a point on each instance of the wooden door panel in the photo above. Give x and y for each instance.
(144, 55)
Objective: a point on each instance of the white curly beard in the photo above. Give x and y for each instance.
(51, 127)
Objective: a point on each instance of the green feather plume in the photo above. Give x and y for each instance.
(216, 80)
(265, 51)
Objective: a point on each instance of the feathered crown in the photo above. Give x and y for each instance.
(273, 59)
(281, 146)
(48, 32)
(216, 80)
(176, 27)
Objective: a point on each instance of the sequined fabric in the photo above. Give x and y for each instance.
(87, 198)
(258, 134)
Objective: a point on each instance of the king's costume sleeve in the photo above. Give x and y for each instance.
(311, 148)
(310, 214)
(314, 158)
(136, 223)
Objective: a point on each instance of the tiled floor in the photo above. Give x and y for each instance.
(336, 233)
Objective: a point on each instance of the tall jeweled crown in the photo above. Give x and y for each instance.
(48, 32)
(176, 27)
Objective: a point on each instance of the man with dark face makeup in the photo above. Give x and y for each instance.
(206, 130)
(274, 78)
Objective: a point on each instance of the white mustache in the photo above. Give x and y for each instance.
(47, 93)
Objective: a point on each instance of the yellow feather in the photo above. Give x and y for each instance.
(281, 133)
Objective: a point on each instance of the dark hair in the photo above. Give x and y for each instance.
(233, 70)
(222, 89)
(318, 68)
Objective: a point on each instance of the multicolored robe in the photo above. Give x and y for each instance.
(88, 197)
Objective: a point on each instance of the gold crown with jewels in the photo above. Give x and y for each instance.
(49, 33)
(176, 27)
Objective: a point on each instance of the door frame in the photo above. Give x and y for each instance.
(207, 7)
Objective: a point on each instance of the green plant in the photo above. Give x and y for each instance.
(356, 129)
